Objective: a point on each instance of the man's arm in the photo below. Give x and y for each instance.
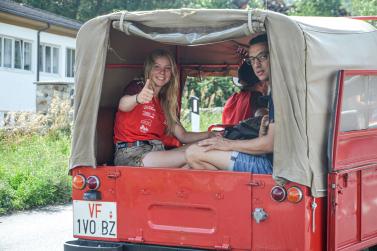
(260, 145)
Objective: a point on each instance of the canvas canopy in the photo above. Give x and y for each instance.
(305, 53)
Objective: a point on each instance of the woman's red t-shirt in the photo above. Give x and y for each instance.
(144, 122)
(237, 108)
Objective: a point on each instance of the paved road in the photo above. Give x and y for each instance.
(37, 230)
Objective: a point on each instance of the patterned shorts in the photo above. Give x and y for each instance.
(133, 156)
(259, 164)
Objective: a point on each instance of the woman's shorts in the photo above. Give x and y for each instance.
(242, 162)
(133, 156)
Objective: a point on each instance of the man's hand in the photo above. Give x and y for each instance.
(264, 126)
(146, 94)
(216, 143)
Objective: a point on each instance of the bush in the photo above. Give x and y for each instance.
(6, 196)
(33, 170)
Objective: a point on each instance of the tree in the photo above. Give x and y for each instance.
(212, 91)
(363, 7)
(84, 10)
(66, 8)
(276, 5)
(318, 8)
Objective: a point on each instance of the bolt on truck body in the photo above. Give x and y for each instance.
(322, 194)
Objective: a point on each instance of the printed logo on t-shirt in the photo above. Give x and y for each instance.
(146, 122)
(148, 114)
(149, 107)
(144, 129)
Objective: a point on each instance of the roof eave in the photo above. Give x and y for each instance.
(36, 24)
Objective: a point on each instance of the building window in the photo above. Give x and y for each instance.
(49, 59)
(8, 52)
(27, 56)
(15, 53)
(1, 51)
(70, 63)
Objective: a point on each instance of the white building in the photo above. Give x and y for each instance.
(26, 32)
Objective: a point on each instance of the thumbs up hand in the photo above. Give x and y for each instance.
(146, 94)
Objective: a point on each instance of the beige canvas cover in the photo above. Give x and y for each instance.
(305, 55)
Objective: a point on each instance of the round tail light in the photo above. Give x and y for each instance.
(278, 193)
(79, 182)
(93, 182)
(294, 194)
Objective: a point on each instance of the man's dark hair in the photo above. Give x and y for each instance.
(259, 39)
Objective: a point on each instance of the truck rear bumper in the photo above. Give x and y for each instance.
(87, 245)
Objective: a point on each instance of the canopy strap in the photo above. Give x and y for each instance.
(249, 22)
(121, 20)
(126, 26)
(255, 21)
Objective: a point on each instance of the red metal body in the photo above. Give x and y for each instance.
(204, 209)
(352, 207)
(365, 18)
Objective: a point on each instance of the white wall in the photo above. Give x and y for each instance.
(17, 88)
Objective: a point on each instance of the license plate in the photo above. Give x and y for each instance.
(96, 219)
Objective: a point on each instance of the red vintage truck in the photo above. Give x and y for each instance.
(323, 191)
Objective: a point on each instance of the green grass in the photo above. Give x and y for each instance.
(207, 118)
(33, 170)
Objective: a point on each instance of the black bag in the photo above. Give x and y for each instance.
(247, 129)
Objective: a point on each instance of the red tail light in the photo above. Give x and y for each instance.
(93, 182)
(79, 182)
(294, 194)
(278, 193)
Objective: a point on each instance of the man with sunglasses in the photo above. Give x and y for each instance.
(245, 103)
(252, 155)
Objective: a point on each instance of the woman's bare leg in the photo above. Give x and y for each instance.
(197, 158)
(172, 159)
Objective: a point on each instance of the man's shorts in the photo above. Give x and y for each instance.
(242, 162)
(133, 156)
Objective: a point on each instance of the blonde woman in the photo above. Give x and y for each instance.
(147, 113)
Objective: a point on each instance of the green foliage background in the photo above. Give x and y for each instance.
(33, 170)
(212, 91)
(318, 8)
(84, 10)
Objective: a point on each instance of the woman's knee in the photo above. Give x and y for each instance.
(193, 153)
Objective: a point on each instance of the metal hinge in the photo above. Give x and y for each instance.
(314, 207)
(113, 174)
(256, 183)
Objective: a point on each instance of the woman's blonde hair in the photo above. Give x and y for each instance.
(169, 93)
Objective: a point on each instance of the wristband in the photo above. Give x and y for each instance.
(137, 101)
